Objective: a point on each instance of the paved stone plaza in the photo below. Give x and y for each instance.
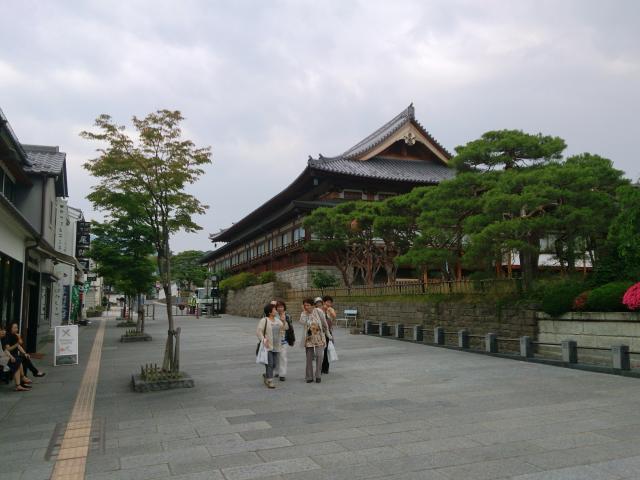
(388, 409)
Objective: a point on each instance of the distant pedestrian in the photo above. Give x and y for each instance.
(330, 315)
(316, 333)
(288, 340)
(271, 330)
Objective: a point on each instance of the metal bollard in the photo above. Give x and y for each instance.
(569, 351)
(526, 347)
(399, 330)
(367, 327)
(620, 357)
(491, 343)
(438, 335)
(417, 333)
(463, 338)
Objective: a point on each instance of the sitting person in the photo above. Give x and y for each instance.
(11, 351)
(27, 363)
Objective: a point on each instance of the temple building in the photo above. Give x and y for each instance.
(393, 160)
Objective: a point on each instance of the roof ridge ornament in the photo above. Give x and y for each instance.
(410, 138)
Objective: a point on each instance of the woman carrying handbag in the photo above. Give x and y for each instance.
(271, 330)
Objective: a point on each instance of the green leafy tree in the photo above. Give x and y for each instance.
(624, 233)
(187, 270)
(333, 237)
(444, 209)
(395, 225)
(507, 149)
(151, 170)
(123, 252)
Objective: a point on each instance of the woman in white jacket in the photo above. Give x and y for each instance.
(270, 332)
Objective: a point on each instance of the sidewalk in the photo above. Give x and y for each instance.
(387, 410)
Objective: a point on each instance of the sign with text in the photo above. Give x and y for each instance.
(66, 345)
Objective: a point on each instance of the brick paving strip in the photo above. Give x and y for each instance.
(72, 457)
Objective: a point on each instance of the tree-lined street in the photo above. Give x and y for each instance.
(388, 409)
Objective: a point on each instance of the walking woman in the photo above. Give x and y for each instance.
(270, 332)
(330, 315)
(316, 333)
(288, 340)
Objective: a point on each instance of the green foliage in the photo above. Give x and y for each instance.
(266, 277)
(144, 178)
(239, 281)
(322, 279)
(558, 297)
(608, 297)
(624, 234)
(187, 270)
(122, 250)
(508, 149)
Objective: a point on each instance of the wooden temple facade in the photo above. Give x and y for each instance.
(394, 159)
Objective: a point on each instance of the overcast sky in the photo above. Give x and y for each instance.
(268, 83)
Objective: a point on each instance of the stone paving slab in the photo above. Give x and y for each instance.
(393, 410)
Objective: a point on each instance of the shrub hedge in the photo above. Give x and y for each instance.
(608, 298)
(246, 279)
(558, 297)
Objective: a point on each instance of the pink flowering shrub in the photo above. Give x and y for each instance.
(581, 301)
(631, 297)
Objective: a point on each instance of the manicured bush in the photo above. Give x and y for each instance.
(608, 297)
(631, 298)
(239, 281)
(558, 297)
(266, 277)
(321, 279)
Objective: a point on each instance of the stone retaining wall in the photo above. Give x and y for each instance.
(478, 317)
(592, 329)
(249, 302)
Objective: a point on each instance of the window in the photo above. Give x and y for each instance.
(352, 195)
(286, 239)
(260, 249)
(298, 234)
(7, 187)
(270, 245)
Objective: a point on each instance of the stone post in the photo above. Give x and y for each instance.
(399, 330)
(367, 327)
(569, 351)
(491, 343)
(383, 329)
(526, 347)
(438, 335)
(620, 357)
(463, 338)
(417, 333)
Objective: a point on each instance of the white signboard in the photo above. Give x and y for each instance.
(66, 344)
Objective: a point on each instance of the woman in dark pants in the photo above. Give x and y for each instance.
(330, 316)
(27, 363)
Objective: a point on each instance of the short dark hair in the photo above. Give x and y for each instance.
(327, 298)
(309, 301)
(268, 308)
(280, 302)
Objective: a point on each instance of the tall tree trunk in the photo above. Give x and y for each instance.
(164, 266)
(140, 321)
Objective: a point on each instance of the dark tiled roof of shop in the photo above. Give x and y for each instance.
(44, 159)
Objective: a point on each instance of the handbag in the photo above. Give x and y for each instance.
(290, 335)
(331, 352)
(262, 356)
(263, 334)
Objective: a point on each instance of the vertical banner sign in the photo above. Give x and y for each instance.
(66, 344)
(66, 301)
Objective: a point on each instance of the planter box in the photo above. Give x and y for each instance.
(126, 324)
(145, 337)
(594, 316)
(140, 385)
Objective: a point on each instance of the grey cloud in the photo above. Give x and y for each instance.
(268, 83)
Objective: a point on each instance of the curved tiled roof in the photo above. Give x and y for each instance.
(417, 171)
(387, 130)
